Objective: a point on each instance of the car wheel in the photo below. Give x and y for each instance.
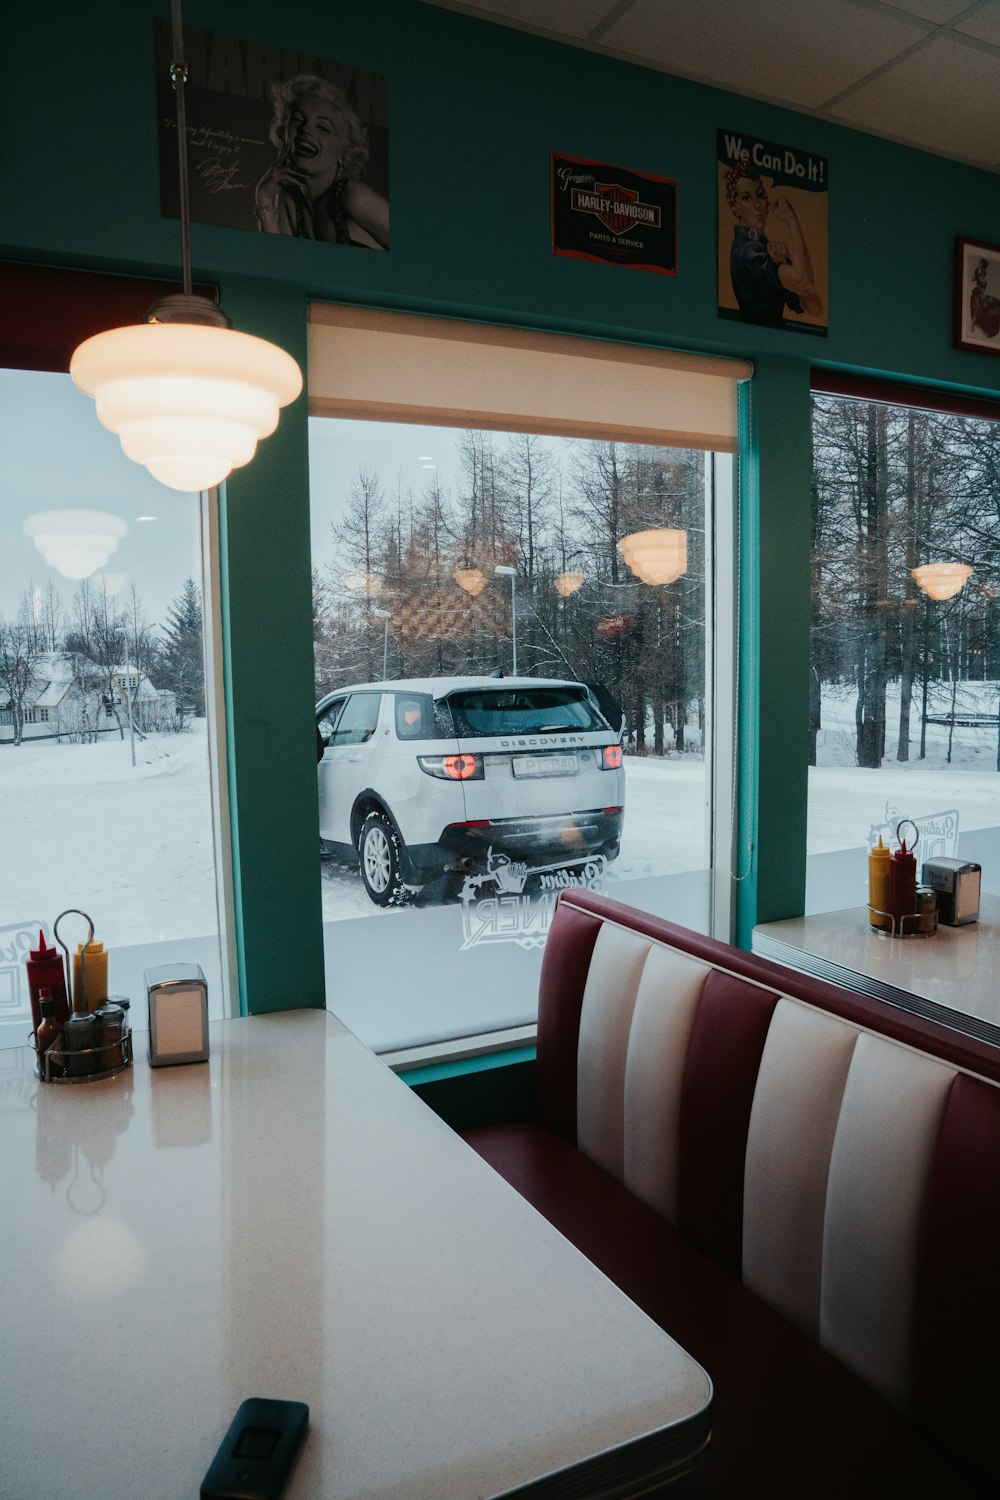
(380, 852)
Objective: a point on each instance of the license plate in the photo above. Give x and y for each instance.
(544, 765)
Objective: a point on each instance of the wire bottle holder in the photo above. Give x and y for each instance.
(109, 1048)
(921, 922)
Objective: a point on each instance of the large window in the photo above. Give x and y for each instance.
(905, 665)
(517, 542)
(457, 796)
(105, 785)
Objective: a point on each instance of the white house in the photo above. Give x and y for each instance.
(71, 697)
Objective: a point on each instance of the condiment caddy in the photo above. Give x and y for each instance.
(899, 907)
(80, 1033)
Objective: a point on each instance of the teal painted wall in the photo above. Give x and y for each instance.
(475, 110)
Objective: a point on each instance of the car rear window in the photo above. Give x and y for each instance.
(522, 711)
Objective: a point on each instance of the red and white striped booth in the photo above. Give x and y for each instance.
(800, 1185)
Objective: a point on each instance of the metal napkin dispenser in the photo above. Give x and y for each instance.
(178, 1014)
(957, 883)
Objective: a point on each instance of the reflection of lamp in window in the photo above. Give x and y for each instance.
(188, 396)
(472, 580)
(656, 556)
(568, 583)
(75, 542)
(368, 584)
(942, 580)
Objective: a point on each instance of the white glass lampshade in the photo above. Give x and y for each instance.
(472, 580)
(75, 542)
(188, 401)
(568, 583)
(656, 556)
(942, 580)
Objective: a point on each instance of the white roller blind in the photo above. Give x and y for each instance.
(399, 367)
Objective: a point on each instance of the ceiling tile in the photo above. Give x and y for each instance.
(800, 54)
(570, 18)
(943, 98)
(938, 11)
(984, 25)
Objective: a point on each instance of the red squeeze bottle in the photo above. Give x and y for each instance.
(902, 887)
(46, 972)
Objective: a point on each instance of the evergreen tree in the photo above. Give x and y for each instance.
(183, 660)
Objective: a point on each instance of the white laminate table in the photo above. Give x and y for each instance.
(289, 1220)
(952, 977)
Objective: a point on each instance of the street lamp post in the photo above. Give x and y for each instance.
(384, 614)
(128, 702)
(511, 573)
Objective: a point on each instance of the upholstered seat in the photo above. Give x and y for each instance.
(802, 1188)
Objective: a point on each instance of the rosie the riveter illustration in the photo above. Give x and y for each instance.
(769, 272)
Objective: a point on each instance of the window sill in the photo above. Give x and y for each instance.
(466, 1054)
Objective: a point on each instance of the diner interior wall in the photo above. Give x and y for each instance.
(475, 110)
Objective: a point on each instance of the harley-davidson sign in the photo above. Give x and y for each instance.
(613, 214)
(617, 207)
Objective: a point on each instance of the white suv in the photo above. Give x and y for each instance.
(427, 776)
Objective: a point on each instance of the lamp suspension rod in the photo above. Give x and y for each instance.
(179, 76)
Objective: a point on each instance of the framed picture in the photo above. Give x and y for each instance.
(773, 252)
(277, 142)
(977, 296)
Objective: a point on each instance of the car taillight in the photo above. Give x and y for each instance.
(452, 767)
(611, 757)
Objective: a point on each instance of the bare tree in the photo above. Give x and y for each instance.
(19, 654)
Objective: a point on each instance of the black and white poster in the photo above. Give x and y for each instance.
(614, 215)
(278, 142)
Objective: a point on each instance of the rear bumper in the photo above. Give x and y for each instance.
(534, 840)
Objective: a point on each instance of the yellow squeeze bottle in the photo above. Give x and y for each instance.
(879, 869)
(96, 959)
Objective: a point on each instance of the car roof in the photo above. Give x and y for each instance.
(440, 687)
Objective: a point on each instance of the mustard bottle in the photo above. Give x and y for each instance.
(95, 957)
(879, 872)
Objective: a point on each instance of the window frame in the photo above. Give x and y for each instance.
(51, 311)
(901, 396)
(722, 561)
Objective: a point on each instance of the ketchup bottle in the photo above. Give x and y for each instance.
(902, 888)
(46, 972)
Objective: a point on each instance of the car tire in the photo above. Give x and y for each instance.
(380, 854)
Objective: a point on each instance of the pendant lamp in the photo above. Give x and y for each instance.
(942, 580)
(568, 583)
(656, 556)
(187, 394)
(472, 580)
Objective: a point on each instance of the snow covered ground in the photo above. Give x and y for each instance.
(845, 801)
(133, 847)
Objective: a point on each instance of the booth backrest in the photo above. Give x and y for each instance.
(840, 1158)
